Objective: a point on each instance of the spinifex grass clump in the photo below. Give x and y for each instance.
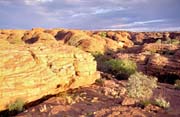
(17, 105)
(168, 41)
(103, 34)
(141, 86)
(123, 67)
(177, 84)
(161, 102)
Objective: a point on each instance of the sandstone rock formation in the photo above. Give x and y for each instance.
(32, 72)
(38, 62)
(155, 59)
(121, 37)
(87, 41)
(163, 65)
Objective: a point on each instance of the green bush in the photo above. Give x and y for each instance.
(161, 102)
(96, 54)
(159, 41)
(175, 42)
(100, 81)
(145, 103)
(168, 41)
(177, 84)
(103, 34)
(17, 105)
(101, 61)
(121, 67)
(141, 86)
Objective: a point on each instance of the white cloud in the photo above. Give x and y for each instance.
(137, 23)
(79, 14)
(96, 10)
(102, 10)
(33, 2)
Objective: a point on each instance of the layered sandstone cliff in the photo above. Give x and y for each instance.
(32, 72)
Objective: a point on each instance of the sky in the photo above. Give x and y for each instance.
(133, 15)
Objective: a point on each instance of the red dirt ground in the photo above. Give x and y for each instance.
(104, 100)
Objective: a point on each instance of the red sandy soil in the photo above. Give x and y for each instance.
(104, 100)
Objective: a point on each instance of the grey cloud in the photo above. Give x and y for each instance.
(90, 14)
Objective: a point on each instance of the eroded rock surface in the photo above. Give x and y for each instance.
(155, 59)
(29, 73)
(38, 62)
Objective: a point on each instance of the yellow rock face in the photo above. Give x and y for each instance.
(32, 72)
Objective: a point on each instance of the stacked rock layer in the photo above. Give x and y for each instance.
(30, 73)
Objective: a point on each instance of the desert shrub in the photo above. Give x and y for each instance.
(145, 103)
(17, 105)
(121, 67)
(101, 61)
(158, 41)
(96, 54)
(161, 102)
(167, 40)
(171, 41)
(100, 81)
(141, 86)
(103, 34)
(175, 42)
(177, 84)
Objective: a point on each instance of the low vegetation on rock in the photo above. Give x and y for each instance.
(16, 106)
(103, 34)
(161, 102)
(168, 41)
(177, 84)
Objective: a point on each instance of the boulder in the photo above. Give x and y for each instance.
(38, 37)
(15, 38)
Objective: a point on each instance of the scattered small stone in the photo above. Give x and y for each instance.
(122, 91)
(95, 99)
(128, 101)
(33, 110)
(153, 108)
